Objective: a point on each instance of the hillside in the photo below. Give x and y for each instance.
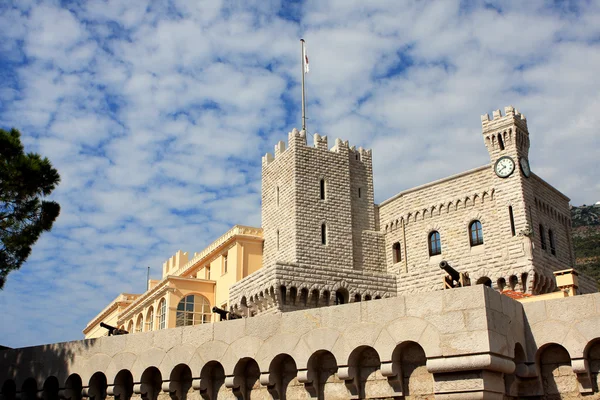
(586, 239)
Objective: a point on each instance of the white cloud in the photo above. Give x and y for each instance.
(156, 117)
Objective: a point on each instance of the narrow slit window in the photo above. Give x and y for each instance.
(277, 239)
(512, 220)
(359, 193)
(323, 234)
(542, 237)
(500, 141)
(551, 240)
(396, 252)
(322, 188)
(225, 264)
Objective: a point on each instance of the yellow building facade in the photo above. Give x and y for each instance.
(189, 288)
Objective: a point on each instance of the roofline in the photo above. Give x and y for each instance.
(561, 194)
(109, 308)
(448, 178)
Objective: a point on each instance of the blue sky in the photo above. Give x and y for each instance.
(156, 116)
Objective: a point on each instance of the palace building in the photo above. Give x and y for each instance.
(336, 297)
(323, 240)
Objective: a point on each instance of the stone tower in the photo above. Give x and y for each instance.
(318, 220)
(536, 213)
(316, 203)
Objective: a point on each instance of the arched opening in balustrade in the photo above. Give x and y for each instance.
(9, 390)
(326, 296)
(558, 378)
(73, 387)
(512, 381)
(180, 382)
(50, 388)
(123, 385)
(341, 296)
(416, 380)
(284, 374)
(212, 379)
(97, 387)
(366, 362)
(293, 295)
(29, 389)
(513, 281)
(592, 355)
(314, 296)
(304, 296)
(151, 383)
(248, 373)
(322, 366)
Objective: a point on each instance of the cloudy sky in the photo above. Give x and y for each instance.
(156, 115)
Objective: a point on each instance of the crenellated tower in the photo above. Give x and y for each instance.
(317, 202)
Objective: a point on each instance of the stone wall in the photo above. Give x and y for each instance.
(469, 343)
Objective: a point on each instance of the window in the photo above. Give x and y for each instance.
(476, 233)
(396, 252)
(323, 234)
(500, 141)
(224, 264)
(162, 314)
(193, 309)
(150, 319)
(435, 244)
(542, 237)
(139, 325)
(512, 220)
(359, 193)
(322, 188)
(551, 239)
(130, 326)
(277, 239)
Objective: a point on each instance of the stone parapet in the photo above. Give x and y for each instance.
(468, 343)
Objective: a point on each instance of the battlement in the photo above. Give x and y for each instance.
(297, 138)
(175, 262)
(511, 115)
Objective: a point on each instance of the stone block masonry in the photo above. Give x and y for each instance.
(468, 343)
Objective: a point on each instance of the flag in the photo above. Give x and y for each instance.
(306, 69)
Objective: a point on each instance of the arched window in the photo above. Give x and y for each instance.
(162, 314)
(551, 240)
(476, 233)
(543, 237)
(139, 325)
(435, 244)
(150, 319)
(396, 252)
(130, 326)
(193, 309)
(323, 234)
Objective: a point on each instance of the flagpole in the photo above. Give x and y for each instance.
(303, 94)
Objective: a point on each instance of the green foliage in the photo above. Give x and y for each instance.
(587, 254)
(25, 179)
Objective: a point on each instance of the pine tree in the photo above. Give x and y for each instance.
(25, 179)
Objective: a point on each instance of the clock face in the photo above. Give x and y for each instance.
(504, 167)
(524, 163)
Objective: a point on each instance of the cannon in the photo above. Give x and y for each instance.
(113, 330)
(454, 278)
(224, 314)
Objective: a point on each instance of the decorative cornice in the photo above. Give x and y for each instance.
(121, 300)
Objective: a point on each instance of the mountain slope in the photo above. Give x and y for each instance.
(586, 239)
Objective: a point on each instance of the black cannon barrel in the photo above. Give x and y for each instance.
(449, 270)
(106, 326)
(222, 313)
(113, 330)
